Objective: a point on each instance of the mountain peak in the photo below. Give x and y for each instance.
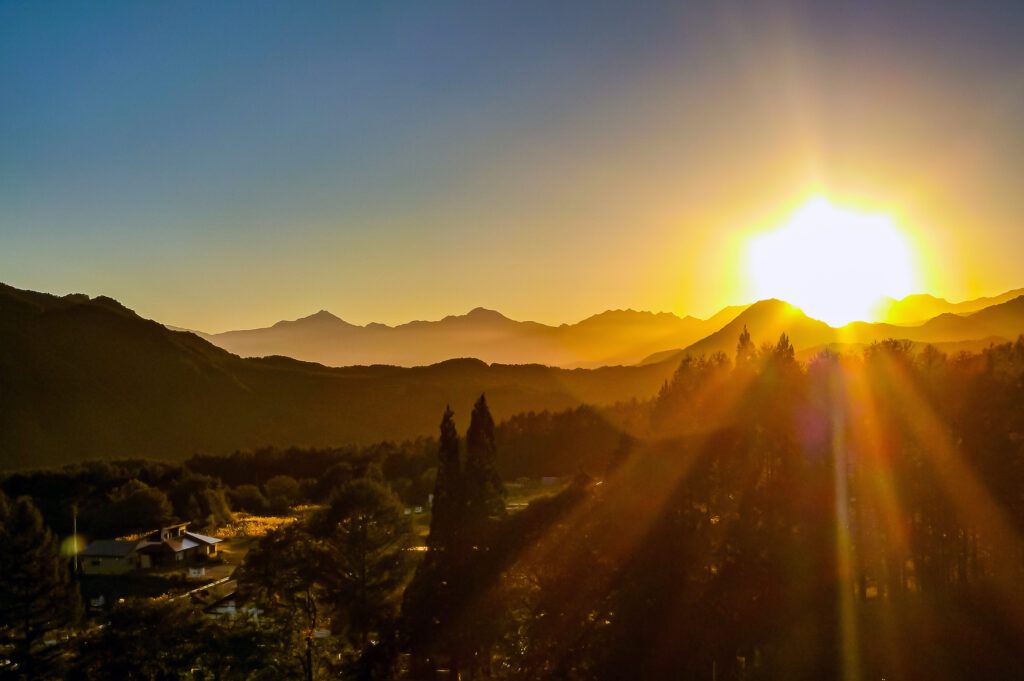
(483, 313)
(770, 305)
(321, 317)
(630, 316)
(921, 298)
(323, 314)
(622, 314)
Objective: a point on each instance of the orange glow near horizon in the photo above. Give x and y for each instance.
(835, 263)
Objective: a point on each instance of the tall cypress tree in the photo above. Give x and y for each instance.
(485, 495)
(431, 604)
(441, 614)
(444, 518)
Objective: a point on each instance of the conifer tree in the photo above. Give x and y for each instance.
(485, 495)
(430, 604)
(784, 349)
(445, 515)
(37, 596)
(745, 349)
(364, 537)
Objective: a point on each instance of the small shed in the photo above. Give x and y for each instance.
(108, 557)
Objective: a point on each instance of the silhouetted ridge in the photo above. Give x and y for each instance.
(483, 312)
(613, 337)
(321, 317)
(610, 338)
(766, 319)
(918, 308)
(631, 316)
(87, 378)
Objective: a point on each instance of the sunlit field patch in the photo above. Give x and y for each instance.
(247, 525)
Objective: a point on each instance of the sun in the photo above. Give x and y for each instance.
(833, 263)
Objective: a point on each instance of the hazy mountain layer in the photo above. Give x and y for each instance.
(610, 338)
(88, 378)
(767, 319)
(919, 308)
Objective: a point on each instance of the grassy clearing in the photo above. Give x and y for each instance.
(520, 493)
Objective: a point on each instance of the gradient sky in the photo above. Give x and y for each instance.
(222, 165)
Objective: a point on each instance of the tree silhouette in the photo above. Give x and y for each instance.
(137, 507)
(283, 576)
(430, 603)
(365, 537)
(783, 349)
(37, 596)
(448, 489)
(745, 349)
(484, 493)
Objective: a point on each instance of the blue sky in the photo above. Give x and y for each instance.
(226, 164)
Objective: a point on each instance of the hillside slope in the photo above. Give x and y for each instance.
(87, 378)
(920, 307)
(767, 319)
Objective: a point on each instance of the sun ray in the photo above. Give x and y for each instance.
(972, 502)
(864, 447)
(659, 471)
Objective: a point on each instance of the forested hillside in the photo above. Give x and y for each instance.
(87, 378)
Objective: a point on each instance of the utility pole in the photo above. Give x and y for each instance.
(309, 656)
(74, 535)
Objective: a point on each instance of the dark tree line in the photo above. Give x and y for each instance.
(121, 497)
(854, 517)
(857, 517)
(559, 444)
(116, 498)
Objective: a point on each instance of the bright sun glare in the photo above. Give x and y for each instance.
(833, 263)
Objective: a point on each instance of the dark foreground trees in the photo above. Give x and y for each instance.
(170, 640)
(332, 584)
(854, 517)
(366, 538)
(38, 601)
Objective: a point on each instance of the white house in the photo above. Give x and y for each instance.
(168, 545)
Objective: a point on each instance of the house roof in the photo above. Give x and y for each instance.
(151, 544)
(171, 543)
(216, 594)
(202, 538)
(184, 544)
(152, 547)
(108, 548)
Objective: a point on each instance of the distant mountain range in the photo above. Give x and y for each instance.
(610, 338)
(85, 377)
(919, 308)
(767, 319)
(614, 337)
